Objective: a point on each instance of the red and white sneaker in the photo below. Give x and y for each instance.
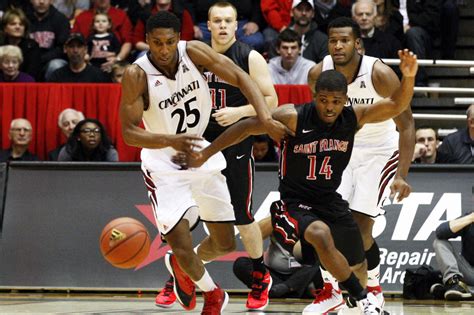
(326, 300)
(184, 288)
(166, 298)
(377, 291)
(258, 296)
(214, 301)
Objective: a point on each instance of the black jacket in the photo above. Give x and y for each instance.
(382, 45)
(457, 148)
(425, 13)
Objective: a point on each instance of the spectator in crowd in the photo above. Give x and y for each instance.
(277, 14)
(71, 8)
(117, 71)
(102, 43)
(377, 43)
(426, 145)
(10, 61)
(289, 67)
(88, 142)
(77, 70)
(458, 147)
(421, 25)
(250, 21)
(15, 28)
(291, 277)
(20, 138)
(457, 268)
(314, 43)
(121, 26)
(67, 120)
(50, 29)
(176, 6)
(449, 28)
(389, 19)
(263, 149)
(327, 10)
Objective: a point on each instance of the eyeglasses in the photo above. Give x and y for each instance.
(90, 130)
(21, 129)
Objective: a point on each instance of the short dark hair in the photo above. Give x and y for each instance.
(163, 19)
(428, 127)
(288, 36)
(331, 80)
(344, 21)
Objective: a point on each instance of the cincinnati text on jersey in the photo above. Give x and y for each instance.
(360, 100)
(321, 146)
(177, 96)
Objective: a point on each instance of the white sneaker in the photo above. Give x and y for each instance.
(370, 305)
(377, 291)
(326, 300)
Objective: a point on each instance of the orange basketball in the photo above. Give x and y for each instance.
(125, 242)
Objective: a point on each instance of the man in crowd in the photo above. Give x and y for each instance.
(67, 120)
(458, 147)
(20, 135)
(77, 70)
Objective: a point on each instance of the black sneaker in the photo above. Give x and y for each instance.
(438, 290)
(456, 289)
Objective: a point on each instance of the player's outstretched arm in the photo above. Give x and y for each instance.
(134, 87)
(203, 55)
(400, 100)
(285, 114)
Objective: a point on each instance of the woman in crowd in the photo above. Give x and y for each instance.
(88, 142)
(10, 61)
(15, 32)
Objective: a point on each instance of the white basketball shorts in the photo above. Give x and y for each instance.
(366, 180)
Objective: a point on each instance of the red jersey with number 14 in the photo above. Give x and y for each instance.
(312, 162)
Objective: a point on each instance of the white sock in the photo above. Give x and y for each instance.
(196, 251)
(328, 278)
(373, 277)
(206, 283)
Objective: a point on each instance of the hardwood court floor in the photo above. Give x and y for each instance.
(63, 303)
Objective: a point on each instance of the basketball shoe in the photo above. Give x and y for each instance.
(258, 296)
(377, 291)
(214, 301)
(370, 305)
(166, 298)
(326, 300)
(184, 288)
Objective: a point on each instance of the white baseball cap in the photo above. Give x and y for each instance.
(297, 2)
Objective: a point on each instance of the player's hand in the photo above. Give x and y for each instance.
(408, 63)
(401, 187)
(250, 28)
(188, 144)
(189, 161)
(227, 116)
(420, 151)
(277, 131)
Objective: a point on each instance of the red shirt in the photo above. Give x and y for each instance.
(121, 25)
(277, 13)
(187, 27)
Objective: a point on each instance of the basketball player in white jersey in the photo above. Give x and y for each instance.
(229, 105)
(381, 156)
(166, 89)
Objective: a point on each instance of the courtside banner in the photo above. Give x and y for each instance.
(54, 214)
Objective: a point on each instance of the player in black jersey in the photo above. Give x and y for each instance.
(311, 166)
(228, 106)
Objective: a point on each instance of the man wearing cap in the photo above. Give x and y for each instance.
(314, 43)
(77, 70)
